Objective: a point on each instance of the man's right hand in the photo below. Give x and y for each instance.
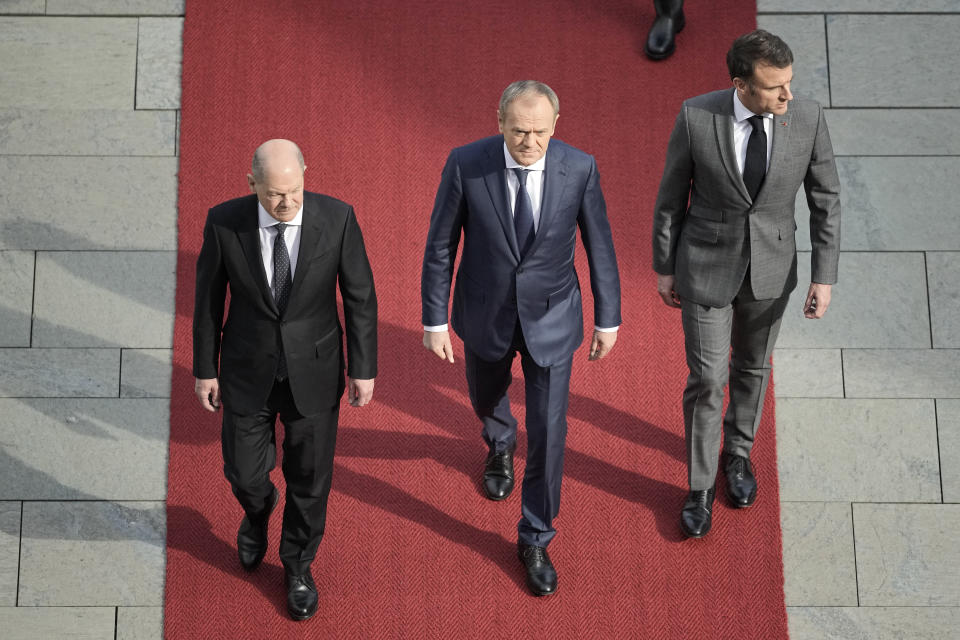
(667, 292)
(439, 343)
(208, 393)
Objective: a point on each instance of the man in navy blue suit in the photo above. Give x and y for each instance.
(518, 200)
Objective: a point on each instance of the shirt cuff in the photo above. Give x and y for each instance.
(606, 329)
(439, 327)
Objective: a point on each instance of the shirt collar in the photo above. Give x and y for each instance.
(741, 113)
(539, 165)
(266, 220)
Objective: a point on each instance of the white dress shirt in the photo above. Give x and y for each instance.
(535, 191)
(268, 235)
(742, 129)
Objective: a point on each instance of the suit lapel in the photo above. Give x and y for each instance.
(723, 122)
(310, 232)
(494, 176)
(249, 235)
(780, 130)
(554, 183)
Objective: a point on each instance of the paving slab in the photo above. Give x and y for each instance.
(88, 203)
(818, 563)
(906, 132)
(145, 373)
(893, 61)
(92, 554)
(879, 202)
(139, 623)
(16, 297)
(948, 428)
(807, 37)
(21, 7)
(901, 373)
(880, 300)
(159, 55)
(116, 7)
(81, 63)
(83, 449)
(828, 450)
(856, 6)
(943, 281)
(92, 132)
(59, 373)
(807, 373)
(907, 554)
(9, 552)
(873, 623)
(57, 623)
(104, 299)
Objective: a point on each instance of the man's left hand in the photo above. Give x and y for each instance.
(818, 299)
(602, 343)
(359, 392)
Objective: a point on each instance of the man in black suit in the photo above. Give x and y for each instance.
(283, 251)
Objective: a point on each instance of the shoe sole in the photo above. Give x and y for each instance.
(300, 618)
(495, 498)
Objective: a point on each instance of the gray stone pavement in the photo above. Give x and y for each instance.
(868, 399)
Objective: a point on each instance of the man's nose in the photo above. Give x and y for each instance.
(785, 94)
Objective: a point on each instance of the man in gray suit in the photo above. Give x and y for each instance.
(725, 252)
(518, 199)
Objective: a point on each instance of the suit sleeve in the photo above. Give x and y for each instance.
(359, 302)
(209, 297)
(673, 196)
(443, 239)
(601, 257)
(822, 187)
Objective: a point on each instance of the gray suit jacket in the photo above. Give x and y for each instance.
(707, 230)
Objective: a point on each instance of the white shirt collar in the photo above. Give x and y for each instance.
(741, 113)
(539, 165)
(266, 220)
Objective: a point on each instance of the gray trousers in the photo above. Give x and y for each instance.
(750, 327)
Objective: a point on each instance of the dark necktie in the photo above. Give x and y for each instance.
(282, 283)
(523, 213)
(755, 164)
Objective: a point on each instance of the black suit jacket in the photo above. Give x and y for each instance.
(245, 350)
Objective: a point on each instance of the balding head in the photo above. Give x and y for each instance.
(276, 176)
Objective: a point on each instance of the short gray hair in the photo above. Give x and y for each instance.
(527, 87)
(257, 164)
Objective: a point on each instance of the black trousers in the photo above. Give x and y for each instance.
(250, 452)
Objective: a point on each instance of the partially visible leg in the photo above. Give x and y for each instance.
(706, 334)
(548, 395)
(308, 448)
(756, 324)
(249, 453)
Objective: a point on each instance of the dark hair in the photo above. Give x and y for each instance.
(757, 46)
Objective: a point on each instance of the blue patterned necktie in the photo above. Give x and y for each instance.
(523, 213)
(282, 283)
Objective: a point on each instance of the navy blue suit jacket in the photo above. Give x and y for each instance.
(493, 286)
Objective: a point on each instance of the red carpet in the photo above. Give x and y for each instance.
(377, 93)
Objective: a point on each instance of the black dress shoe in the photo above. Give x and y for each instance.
(498, 475)
(697, 514)
(252, 537)
(741, 483)
(301, 596)
(541, 576)
(661, 40)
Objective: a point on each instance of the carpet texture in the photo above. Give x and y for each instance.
(377, 93)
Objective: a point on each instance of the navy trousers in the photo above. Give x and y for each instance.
(547, 397)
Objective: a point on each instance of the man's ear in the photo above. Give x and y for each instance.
(252, 183)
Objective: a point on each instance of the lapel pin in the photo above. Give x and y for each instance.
(783, 123)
